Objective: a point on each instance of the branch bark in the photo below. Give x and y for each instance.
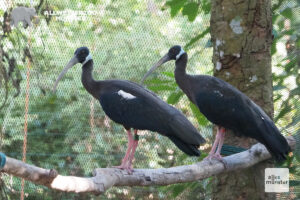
(105, 178)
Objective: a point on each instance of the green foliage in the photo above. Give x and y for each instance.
(196, 38)
(191, 10)
(174, 97)
(176, 5)
(188, 7)
(126, 38)
(198, 115)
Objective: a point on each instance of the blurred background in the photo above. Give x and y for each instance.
(68, 130)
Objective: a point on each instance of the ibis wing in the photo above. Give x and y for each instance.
(223, 110)
(133, 112)
(149, 113)
(232, 109)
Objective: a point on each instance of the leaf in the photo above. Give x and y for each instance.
(157, 81)
(178, 189)
(169, 74)
(287, 13)
(174, 97)
(294, 121)
(52, 99)
(273, 47)
(198, 37)
(283, 112)
(175, 6)
(294, 183)
(274, 18)
(191, 10)
(276, 6)
(161, 88)
(295, 91)
(206, 6)
(199, 116)
(290, 65)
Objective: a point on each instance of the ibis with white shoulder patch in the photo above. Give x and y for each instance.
(137, 108)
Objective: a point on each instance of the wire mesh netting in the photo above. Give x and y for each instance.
(67, 129)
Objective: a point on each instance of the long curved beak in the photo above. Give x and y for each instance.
(163, 60)
(70, 64)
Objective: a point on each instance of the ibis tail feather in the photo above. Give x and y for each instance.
(275, 142)
(189, 149)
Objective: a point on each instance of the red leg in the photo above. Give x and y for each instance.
(221, 141)
(129, 148)
(213, 149)
(218, 141)
(129, 166)
(218, 153)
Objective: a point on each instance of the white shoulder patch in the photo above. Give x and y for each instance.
(125, 95)
(180, 53)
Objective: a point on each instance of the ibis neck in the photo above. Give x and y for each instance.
(87, 78)
(180, 73)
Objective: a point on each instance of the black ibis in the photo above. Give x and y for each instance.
(225, 106)
(135, 107)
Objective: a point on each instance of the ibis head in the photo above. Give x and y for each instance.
(174, 53)
(82, 55)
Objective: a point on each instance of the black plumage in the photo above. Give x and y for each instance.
(146, 111)
(135, 107)
(225, 106)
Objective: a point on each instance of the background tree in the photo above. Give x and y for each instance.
(242, 36)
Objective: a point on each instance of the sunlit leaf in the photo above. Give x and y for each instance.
(199, 116)
(287, 13)
(198, 37)
(157, 88)
(276, 6)
(206, 6)
(175, 6)
(283, 112)
(174, 97)
(288, 67)
(275, 17)
(191, 10)
(273, 47)
(169, 74)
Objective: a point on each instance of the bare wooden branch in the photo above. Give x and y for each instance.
(106, 178)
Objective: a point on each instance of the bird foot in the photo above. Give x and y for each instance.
(216, 156)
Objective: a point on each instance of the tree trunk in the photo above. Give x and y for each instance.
(241, 32)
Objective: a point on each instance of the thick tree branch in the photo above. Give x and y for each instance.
(105, 178)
